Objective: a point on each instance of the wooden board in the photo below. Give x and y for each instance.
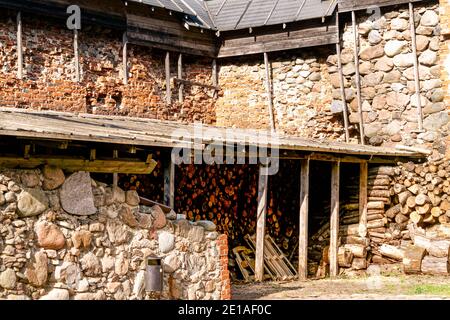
(334, 220)
(303, 230)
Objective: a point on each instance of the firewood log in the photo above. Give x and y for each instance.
(411, 201)
(355, 240)
(376, 223)
(435, 266)
(405, 210)
(428, 218)
(421, 199)
(403, 196)
(375, 205)
(379, 193)
(445, 205)
(376, 216)
(425, 209)
(412, 261)
(345, 257)
(359, 263)
(436, 212)
(382, 170)
(392, 252)
(400, 218)
(378, 259)
(392, 212)
(379, 182)
(357, 250)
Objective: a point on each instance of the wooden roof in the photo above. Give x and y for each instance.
(148, 132)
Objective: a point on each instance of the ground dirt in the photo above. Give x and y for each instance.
(362, 288)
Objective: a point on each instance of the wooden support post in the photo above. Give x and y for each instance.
(303, 229)
(341, 81)
(180, 76)
(334, 220)
(169, 184)
(115, 174)
(215, 77)
(76, 55)
(358, 78)
(19, 46)
(269, 92)
(168, 90)
(261, 225)
(363, 179)
(125, 58)
(416, 66)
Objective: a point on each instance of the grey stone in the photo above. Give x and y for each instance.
(373, 79)
(8, 279)
(428, 58)
(435, 44)
(426, 31)
(372, 52)
(90, 265)
(393, 128)
(404, 60)
(121, 265)
(139, 284)
(348, 69)
(337, 106)
(397, 100)
(429, 136)
(207, 225)
(31, 202)
(433, 108)
(431, 84)
(132, 198)
(392, 77)
(436, 121)
(76, 195)
(117, 232)
(166, 241)
(365, 68)
(2, 199)
(374, 37)
(379, 102)
(53, 177)
(10, 197)
(424, 72)
(99, 295)
(415, 101)
(399, 24)
(171, 263)
(429, 19)
(422, 42)
(196, 234)
(29, 179)
(437, 95)
(394, 47)
(56, 294)
(372, 129)
(376, 141)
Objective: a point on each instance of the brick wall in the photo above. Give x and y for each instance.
(222, 243)
(49, 73)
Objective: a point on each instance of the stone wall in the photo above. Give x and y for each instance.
(49, 74)
(444, 14)
(75, 238)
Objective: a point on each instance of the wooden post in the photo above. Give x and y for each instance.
(358, 78)
(180, 76)
(416, 66)
(261, 225)
(215, 77)
(76, 55)
(363, 179)
(334, 220)
(303, 229)
(169, 184)
(125, 58)
(269, 92)
(19, 46)
(341, 81)
(168, 90)
(115, 174)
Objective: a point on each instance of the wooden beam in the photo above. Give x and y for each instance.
(341, 82)
(19, 46)
(358, 77)
(125, 58)
(93, 154)
(303, 222)
(180, 76)
(168, 90)
(77, 164)
(363, 181)
(261, 225)
(416, 66)
(334, 219)
(76, 55)
(215, 77)
(269, 92)
(169, 184)
(115, 174)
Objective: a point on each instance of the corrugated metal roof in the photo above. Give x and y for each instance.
(148, 132)
(227, 15)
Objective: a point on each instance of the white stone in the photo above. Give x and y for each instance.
(428, 58)
(374, 37)
(429, 19)
(404, 60)
(399, 24)
(8, 279)
(56, 294)
(166, 241)
(394, 47)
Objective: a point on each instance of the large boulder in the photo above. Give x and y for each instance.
(90, 265)
(436, 121)
(31, 202)
(394, 47)
(76, 195)
(53, 177)
(429, 19)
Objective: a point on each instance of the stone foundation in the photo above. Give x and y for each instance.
(75, 238)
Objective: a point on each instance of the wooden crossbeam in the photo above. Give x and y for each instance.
(180, 82)
(76, 164)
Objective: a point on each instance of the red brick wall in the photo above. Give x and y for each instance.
(222, 242)
(49, 73)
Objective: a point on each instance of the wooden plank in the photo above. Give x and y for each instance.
(125, 58)
(115, 174)
(341, 83)
(19, 46)
(261, 225)
(169, 184)
(303, 229)
(363, 182)
(74, 164)
(180, 82)
(416, 66)
(269, 91)
(334, 220)
(180, 76)
(352, 5)
(358, 78)
(167, 68)
(76, 55)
